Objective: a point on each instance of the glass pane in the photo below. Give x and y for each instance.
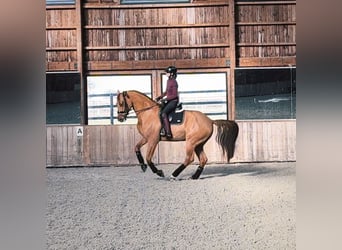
(102, 93)
(59, 2)
(205, 92)
(63, 98)
(268, 93)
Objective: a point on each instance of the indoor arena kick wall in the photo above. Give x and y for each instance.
(108, 145)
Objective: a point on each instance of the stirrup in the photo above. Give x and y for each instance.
(162, 132)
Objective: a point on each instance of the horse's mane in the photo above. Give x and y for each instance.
(142, 94)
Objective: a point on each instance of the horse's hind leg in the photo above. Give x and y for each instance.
(188, 159)
(203, 160)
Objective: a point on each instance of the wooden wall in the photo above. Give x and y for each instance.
(61, 38)
(114, 145)
(200, 34)
(266, 33)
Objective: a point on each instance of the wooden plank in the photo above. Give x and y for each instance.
(80, 59)
(86, 146)
(94, 142)
(49, 147)
(64, 143)
(148, 47)
(61, 66)
(60, 18)
(101, 146)
(265, 44)
(264, 23)
(155, 26)
(232, 66)
(258, 62)
(61, 28)
(267, 3)
(157, 64)
(151, 6)
(70, 145)
(59, 146)
(117, 146)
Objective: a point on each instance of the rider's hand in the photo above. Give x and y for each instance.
(158, 98)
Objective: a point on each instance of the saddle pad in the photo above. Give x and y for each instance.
(176, 117)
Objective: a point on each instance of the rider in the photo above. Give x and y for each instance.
(170, 96)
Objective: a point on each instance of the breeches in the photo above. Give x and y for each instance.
(169, 107)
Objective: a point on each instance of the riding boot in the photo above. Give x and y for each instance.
(162, 130)
(167, 127)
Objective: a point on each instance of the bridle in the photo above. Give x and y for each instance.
(127, 109)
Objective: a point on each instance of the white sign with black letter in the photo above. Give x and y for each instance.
(79, 131)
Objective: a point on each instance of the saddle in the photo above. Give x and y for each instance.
(176, 117)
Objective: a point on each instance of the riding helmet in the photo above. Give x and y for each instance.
(172, 70)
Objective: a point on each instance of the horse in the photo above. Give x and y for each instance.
(195, 130)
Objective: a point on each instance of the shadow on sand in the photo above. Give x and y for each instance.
(251, 169)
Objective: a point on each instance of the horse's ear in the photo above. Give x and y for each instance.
(125, 94)
(118, 92)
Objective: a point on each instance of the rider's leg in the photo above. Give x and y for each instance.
(167, 125)
(162, 130)
(170, 106)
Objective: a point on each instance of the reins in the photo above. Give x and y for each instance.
(127, 109)
(144, 109)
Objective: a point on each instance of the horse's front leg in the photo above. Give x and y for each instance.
(150, 151)
(141, 143)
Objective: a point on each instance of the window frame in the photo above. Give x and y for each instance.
(126, 2)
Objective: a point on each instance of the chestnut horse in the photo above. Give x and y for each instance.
(195, 130)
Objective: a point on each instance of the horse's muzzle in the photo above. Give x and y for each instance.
(121, 117)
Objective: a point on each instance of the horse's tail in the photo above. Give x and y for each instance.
(227, 132)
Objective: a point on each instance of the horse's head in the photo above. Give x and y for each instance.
(124, 105)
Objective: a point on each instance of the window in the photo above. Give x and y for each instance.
(63, 98)
(102, 93)
(205, 92)
(267, 93)
(153, 1)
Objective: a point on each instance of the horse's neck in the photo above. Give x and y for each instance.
(141, 101)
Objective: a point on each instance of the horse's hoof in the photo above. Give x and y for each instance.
(160, 173)
(172, 178)
(143, 168)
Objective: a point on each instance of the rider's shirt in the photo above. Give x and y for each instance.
(171, 89)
